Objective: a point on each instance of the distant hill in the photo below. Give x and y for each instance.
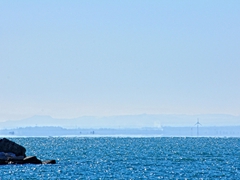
(126, 121)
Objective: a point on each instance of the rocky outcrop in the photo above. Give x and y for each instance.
(12, 147)
(49, 162)
(31, 160)
(13, 153)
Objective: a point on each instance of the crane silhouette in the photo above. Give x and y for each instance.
(197, 124)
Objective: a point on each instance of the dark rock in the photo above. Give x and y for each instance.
(31, 160)
(11, 162)
(3, 162)
(10, 146)
(3, 156)
(13, 159)
(15, 162)
(17, 158)
(13, 153)
(49, 162)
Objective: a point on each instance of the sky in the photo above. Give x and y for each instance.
(69, 59)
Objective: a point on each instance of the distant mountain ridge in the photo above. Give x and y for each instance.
(126, 121)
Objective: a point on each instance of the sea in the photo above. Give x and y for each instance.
(128, 158)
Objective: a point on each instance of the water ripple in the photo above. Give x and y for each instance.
(129, 158)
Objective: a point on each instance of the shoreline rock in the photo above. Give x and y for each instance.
(13, 153)
(10, 146)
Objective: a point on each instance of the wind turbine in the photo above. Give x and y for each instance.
(197, 124)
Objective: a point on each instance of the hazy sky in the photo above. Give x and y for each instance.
(74, 58)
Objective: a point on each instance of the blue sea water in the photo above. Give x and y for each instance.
(129, 158)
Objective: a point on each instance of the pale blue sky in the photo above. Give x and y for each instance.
(74, 58)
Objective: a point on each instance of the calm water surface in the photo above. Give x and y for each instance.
(129, 158)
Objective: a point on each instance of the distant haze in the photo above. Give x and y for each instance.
(130, 121)
(71, 59)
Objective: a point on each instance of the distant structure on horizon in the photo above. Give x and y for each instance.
(197, 124)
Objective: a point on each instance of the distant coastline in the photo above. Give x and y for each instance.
(211, 131)
(125, 121)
